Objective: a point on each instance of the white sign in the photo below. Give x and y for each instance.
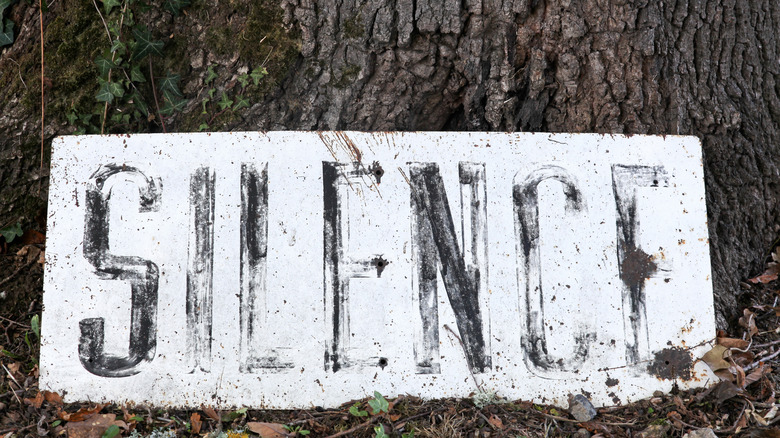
(292, 269)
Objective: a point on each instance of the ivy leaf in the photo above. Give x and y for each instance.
(104, 65)
(145, 45)
(173, 104)
(108, 5)
(356, 411)
(203, 127)
(72, 118)
(211, 75)
(119, 46)
(225, 102)
(175, 6)
(4, 4)
(104, 94)
(136, 75)
(116, 89)
(11, 232)
(244, 80)
(169, 85)
(257, 74)
(241, 102)
(379, 404)
(205, 102)
(111, 432)
(6, 33)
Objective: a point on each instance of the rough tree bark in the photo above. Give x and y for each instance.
(708, 68)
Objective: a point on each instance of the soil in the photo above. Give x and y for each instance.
(745, 401)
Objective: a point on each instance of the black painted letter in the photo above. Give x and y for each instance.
(435, 244)
(254, 252)
(143, 276)
(200, 270)
(526, 206)
(338, 180)
(634, 265)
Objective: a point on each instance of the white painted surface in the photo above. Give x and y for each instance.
(580, 280)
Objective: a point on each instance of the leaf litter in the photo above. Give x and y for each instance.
(744, 400)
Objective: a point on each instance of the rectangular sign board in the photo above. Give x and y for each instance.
(299, 269)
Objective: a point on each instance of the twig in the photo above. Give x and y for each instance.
(486, 420)
(15, 381)
(154, 92)
(314, 415)
(7, 279)
(16, 391)
(569, 420)
(43, 107)
(413, 417)
(768, 344)
(463, 346)
(19, 67)
(16, 429)
(763, 359)
(104, 21)
(14, 322)
(356, 428)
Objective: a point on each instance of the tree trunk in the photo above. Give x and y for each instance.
(708, 68)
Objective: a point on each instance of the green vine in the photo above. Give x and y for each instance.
(129, 97)
(214, 108)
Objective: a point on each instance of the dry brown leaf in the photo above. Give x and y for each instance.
(92, 428)
(36, 401)
(770, 275)
(742, 358)
(757, 374)
(14, 369)
(748, 321)
(765, 433)
(714, 358)
(496, 422)
(733, 343)
(676, 419)
(740, 376)
(678, 402)
(268, 430)
(32, 237)
(29, 253)
(195, 422)
(52, 397)
(80, 415)
(725, 375)
(757, 418)
(211, 413)
(725, 390)
(742, 422)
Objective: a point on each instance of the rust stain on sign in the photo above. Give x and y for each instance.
(637, 266)
(671, 363)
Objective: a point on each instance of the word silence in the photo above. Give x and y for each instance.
(288, 269)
